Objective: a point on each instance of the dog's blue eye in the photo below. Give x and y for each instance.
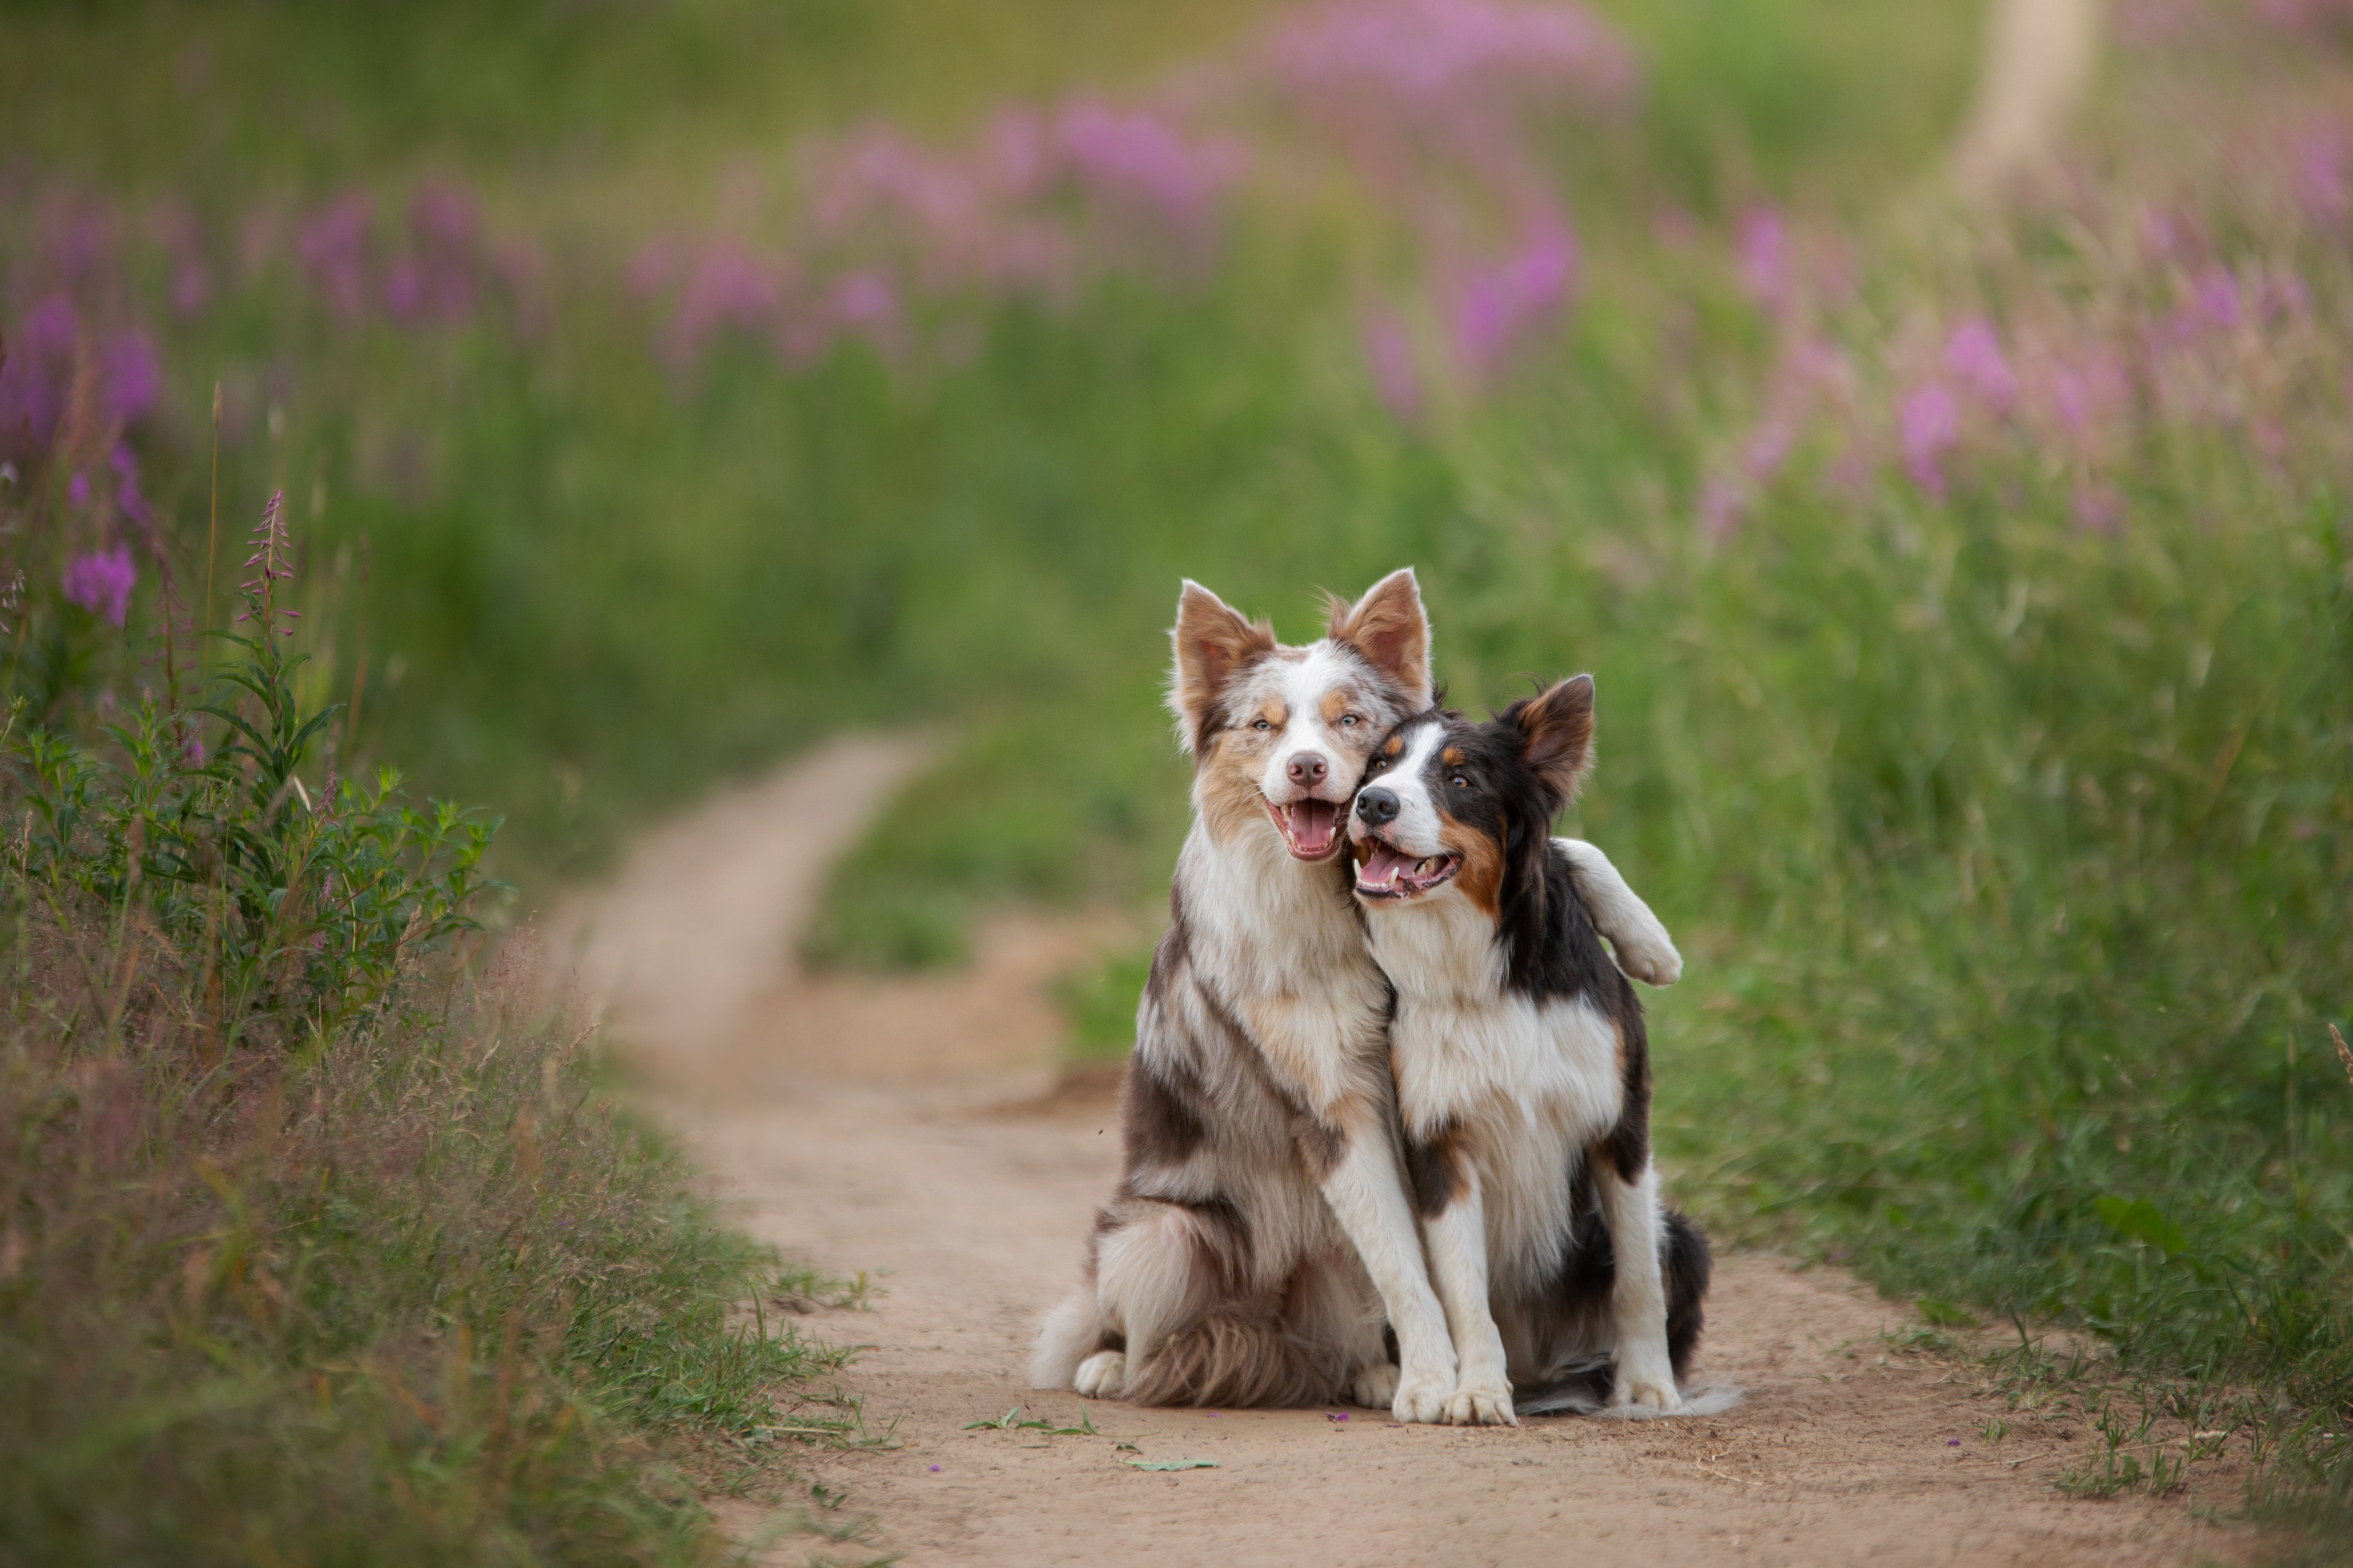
(1262, 725)
(1348, 721)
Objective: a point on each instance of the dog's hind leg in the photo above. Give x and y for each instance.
(1073, 1344)
(1332, 1311)
(1637, 1222)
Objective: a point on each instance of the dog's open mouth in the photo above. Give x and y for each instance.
(1384, 873)
(1310, 827)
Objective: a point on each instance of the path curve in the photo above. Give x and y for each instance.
(865, 1125)
(2041, 57)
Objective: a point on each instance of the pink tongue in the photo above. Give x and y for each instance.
(1385, 866)
(1312, 823)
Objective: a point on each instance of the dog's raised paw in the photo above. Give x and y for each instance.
(1421, 1396)
(1102, 1375)
(1374, 1388)
(1654, 962)
(1482, 1404)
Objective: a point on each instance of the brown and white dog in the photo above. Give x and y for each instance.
(1261, 1229)
(1523, 1068)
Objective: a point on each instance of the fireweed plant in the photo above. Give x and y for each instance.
(316, 1244)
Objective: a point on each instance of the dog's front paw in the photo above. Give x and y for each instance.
(1102, 1375)
(1647, 1389)
(1375, 1387)
(1421, 1395)
(1651, 959)
(1487, 1403)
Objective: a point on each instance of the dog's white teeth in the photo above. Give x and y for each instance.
(1426, 866)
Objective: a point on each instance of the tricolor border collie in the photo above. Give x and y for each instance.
(1522, 1068)
(1262, 1230)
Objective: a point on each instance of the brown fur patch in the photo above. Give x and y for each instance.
(1231, 801)
(1215, 644)
(1389, 628)
(1395, 746)
(1451, 757)
(1320, 1144)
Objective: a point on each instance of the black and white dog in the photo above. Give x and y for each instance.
(1522, 1067)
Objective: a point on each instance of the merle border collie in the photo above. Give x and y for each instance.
(1522, 1068)
(1261, 1229)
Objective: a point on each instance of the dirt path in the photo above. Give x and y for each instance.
(866, 1125)
(2041, 57)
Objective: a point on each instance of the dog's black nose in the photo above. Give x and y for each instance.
(1307, 767)
(1378, 806)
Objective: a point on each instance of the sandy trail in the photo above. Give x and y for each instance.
(897, 1127)
(2040, 56)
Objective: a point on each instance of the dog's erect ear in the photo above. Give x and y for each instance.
(1556, 733)
(1389, 628)
(1214, 644)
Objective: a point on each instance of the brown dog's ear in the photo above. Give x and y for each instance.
(1389, 628)
(1214, 644)
(1556, 731)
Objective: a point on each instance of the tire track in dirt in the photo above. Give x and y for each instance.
(898, 1127)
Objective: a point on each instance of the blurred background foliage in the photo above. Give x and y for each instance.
(659, 387)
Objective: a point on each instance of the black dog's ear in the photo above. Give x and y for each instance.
(1556, 735)
(1214, 643)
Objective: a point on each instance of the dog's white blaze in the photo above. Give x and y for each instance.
(1415, 830)
(1303, 687)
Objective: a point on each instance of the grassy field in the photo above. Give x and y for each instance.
(1967, 591)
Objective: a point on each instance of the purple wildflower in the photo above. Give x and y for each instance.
(2098, 508)
(1973, 355)
(273, 557)
(134, 380)
(1721, 507)
(1928, 423)
(78, 491)
(1764, 255)
(128, 500)
(1140, 158)
(727, 287)
(2217, 297)
(1495, 304)
(100, 582)
(331, 243)
(1388, 353)
(1415, 53)
(38, 372)
(2321, 186)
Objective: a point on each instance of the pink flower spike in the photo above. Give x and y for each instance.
(100, 582)
(1973, 355)
(1389, 355)
(1928, 425)
(1764, 255)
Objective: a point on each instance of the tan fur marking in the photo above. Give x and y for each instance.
(1395, 745)
(1481, 876)
(1451, 757)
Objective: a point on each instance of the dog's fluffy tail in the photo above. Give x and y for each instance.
(1237, 1356)
(1071, 1332)
(1687, 1264)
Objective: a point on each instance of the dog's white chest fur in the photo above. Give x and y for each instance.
(1523, 1087)
(1288, 954)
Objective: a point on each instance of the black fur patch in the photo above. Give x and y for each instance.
(1434, 1165)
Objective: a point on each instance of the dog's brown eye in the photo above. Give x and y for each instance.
(1460, 782)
